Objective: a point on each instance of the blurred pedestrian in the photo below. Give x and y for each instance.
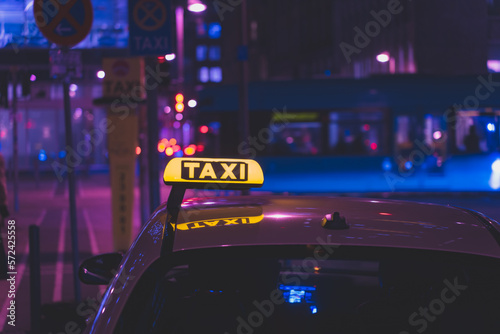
(4, 213)
(471, 141)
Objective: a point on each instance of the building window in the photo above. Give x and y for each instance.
(201, 52)
(357, 133)
(214, 53)
(477, 132)
(216, 74)
(214, 30)
(297, 138)
(201, 30)
(203, 75)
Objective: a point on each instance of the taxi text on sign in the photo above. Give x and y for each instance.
(64, 22)
(124, 78)
(196, 173)
(149, 27)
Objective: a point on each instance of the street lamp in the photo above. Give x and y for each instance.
(383, 57)
(386, 57)
(196, 6)
(170, 56)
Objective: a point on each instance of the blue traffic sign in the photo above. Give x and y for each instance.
(149, 27)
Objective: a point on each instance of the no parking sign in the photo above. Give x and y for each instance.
(64, 22)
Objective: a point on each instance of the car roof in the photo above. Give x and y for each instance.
(296, 220)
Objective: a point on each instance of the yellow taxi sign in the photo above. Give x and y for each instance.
(200, 172)
(218, 222)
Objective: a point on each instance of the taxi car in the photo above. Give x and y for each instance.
(292, 264)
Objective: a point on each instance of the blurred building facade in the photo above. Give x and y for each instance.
(288, 40)
(293, 39)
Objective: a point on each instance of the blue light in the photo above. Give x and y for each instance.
(491, 127)
(387, 164)
(201, 52)
(328, 73)
(42, 156)
(216, 74)
(408, 165)
(62, 154)
(214, 53)
(203, 74)
(296, 296)
(178, 154)
(214, 125)
(214, 30)
(314, 309)
(293, 287)
(495, 166)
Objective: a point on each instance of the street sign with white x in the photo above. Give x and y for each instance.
(149, 27)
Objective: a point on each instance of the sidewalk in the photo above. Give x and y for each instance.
(46, 205)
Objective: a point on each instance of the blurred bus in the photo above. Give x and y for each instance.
(403, 125)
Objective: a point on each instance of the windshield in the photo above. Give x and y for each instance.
(398, 293)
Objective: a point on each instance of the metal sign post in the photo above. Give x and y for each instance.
(71, 188)
(150, 36)
(153, 130)
(66, 24)
(15, 140)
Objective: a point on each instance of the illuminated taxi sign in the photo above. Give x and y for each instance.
(229, 173)
(219, 222)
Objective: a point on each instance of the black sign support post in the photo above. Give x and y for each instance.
(71, 187)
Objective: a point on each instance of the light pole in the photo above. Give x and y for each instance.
(386, 57)
(244, 113)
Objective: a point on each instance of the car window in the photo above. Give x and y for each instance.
(306, 295)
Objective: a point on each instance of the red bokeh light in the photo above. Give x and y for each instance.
(203, 129)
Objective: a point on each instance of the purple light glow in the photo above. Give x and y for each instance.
(493, 65)
(437, 135)
(278, 216)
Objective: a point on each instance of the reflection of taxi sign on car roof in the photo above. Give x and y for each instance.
(200, 172)
(233, 221)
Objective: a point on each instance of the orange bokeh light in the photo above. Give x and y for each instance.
(179, 107)
(190, 150)
(161, 147)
